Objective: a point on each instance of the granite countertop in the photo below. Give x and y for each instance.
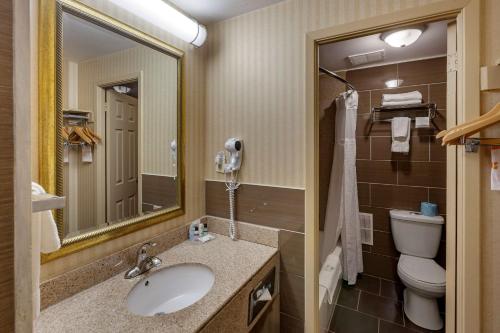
(102, 308)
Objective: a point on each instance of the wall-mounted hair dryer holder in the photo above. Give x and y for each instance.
(230, 167)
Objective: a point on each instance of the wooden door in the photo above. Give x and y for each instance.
(121, 156)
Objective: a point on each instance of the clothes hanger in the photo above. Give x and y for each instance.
(464, 125)
(472, 127)
(80, 132)
(65, 134)
(95, 138)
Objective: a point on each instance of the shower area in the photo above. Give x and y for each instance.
(370, 91)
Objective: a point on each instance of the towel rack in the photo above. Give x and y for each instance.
(74, 144)
(41, 202)
(75, 115)
(377, 111)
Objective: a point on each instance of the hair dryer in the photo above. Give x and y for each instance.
(235, 148)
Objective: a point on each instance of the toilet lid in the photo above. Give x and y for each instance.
(422, 269)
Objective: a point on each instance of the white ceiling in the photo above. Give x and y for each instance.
(83, 40)
(209, 11)
(432, 43)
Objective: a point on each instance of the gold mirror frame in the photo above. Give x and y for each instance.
(50, 154)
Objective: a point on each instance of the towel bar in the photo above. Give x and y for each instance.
(430, 108)
(42, 202)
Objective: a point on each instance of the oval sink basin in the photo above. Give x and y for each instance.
(170, 289)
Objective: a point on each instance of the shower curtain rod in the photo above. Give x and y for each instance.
(332, 74)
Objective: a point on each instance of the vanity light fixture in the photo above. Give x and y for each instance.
(166, 17)
(393, 83)
(402, 37)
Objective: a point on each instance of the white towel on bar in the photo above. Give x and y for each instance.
(401, 127)
(45, 239)
(407, 102)
(86, 154)
(409, 96)
(49, 237)
(495, 168)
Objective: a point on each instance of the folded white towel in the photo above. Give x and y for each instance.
(413, 95)
(66, 154)
(401, 127)
(422, 122)
(330, 272)
(495, 169)
(407, 102)
(86, 154)
(49, 237)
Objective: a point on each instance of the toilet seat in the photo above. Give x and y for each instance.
(422, 273)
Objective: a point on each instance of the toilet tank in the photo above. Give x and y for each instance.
(415, 234)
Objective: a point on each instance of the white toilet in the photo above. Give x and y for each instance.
(417, 237)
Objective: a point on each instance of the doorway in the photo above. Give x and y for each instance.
(462, 238)
(118, 171)
(122, 119)
(394, 176)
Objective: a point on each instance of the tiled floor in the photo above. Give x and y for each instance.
(374, 305)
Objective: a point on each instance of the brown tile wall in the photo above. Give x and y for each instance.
(277, 207)
(159, 190)
(396, 181)
(6, 169)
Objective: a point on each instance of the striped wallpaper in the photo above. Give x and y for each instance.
(195, 65)
(255, 83)
(159, 114)
(159, 122)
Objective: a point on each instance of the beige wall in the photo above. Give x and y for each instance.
(194, 106)
(159, 92)
(490, 221)
(256, 78)
(158, 73)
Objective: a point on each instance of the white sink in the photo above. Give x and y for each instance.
(170, 289)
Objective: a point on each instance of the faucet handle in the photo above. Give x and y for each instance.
(145, 246)
(142, 251)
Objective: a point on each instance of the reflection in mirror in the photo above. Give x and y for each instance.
(119, 104)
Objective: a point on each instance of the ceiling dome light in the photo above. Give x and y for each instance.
(402, 38)
(122, 89)
(166, 17)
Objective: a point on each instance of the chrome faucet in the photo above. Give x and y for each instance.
(143, 262)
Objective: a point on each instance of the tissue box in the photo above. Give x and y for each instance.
(428, 209)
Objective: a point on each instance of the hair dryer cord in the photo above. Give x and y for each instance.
(232, 186)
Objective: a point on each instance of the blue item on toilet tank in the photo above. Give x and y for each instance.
(428, 209)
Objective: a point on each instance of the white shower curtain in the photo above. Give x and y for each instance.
(342, 211)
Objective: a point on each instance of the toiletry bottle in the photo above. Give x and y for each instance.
(196, 233)
(191, 232)
(205, 228)
(201, 229)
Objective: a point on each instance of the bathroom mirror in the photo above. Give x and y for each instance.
(118, 127)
